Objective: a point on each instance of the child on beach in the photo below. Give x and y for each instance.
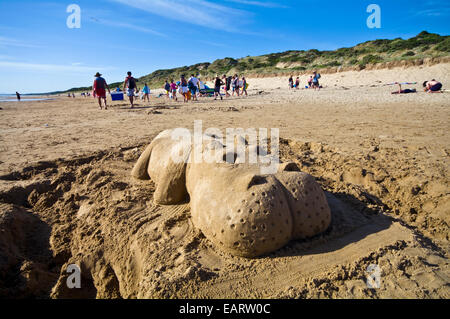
(405, 91)
(99, 89)
(167, 88)
(244, 86)
(310, 80)
(173, 90)
(146, 92)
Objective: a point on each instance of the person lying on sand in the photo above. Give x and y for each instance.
(99, 89)
(406, 91)
(432, 86)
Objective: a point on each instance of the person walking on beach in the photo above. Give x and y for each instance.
(130, 86)
(236, 84)
(193, 87)
(167, 88)
(99, 89)
(297, 83)
(316, 77)
(18, 96)
(146, 92)
(227, 84)
(291, 82)
(173, 90)
(244, 86)
(217, 84)
(184, 88)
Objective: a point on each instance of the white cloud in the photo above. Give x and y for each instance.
(197, 12)
(128, 26)
(264, 4)
(70, 68)
(8, 42)
(433, 12)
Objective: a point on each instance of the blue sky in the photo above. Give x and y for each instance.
(39, 53)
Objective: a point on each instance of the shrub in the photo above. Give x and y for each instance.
(371, 59)
(409, 53)
(444, 46)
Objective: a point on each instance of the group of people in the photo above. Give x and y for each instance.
(129, 86)
(432, 86)
(234, 83)
(313, 82)
(190, 89)
(194, 87)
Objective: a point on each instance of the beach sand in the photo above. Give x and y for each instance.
(66, 194)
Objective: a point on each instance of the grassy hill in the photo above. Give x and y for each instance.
(424, 45)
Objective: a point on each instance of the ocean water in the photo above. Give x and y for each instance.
(13, 98)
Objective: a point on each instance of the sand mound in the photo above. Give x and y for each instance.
(91, 212)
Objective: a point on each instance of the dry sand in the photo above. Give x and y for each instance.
(66, 194)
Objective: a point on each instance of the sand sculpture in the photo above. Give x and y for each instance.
(241, 211)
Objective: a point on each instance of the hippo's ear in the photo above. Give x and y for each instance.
(253, 180)
(288, 167)
(140, 169)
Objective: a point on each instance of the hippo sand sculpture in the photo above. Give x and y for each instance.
(240, 210)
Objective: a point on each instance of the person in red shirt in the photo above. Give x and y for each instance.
(99, 89)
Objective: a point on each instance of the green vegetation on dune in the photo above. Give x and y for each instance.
(424, 45)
